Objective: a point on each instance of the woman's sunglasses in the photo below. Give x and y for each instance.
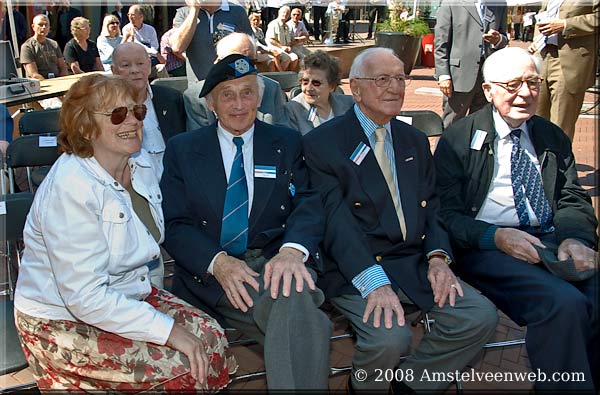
(113, 23)
(118, 115)
(306, 81)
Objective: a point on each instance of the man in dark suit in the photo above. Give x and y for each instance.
(513, 208)
(244, 228)
(166, 112)
(383, 236)
(465, 33)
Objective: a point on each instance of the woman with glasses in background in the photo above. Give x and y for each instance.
(81, 54)
(317, 103)
(110, 36)
(87, 313)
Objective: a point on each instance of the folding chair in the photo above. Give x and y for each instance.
(287, 79)
(13, 358)
(178, 83)
(40, 122)
(29, 151)
(427, 121)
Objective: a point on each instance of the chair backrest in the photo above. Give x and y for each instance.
(39, 122)
(16, 208)
(12, 359)
(25, 151)
(427, 121)
(287, 79)
(178, 83)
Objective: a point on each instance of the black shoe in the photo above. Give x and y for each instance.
(399, 388)
(346, 41)
(369, 37)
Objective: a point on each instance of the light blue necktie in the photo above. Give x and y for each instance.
(527, 182)
(234, 229)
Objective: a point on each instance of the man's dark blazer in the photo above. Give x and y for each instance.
(464, 176)
(362, 227)
(194, 185)
(170, 111)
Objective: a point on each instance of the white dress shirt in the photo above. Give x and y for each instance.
(152, 140)
(86, 250)
(499, 206)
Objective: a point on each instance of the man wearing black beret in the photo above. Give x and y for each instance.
(244, 228)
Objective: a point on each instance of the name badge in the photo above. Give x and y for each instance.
(2, 208)
(265, 171)
(478, 138)
(47, 141)
(488, 18)
(360, 153)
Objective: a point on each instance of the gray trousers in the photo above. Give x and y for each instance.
(456, 337)
(294, 332)
(461, 103)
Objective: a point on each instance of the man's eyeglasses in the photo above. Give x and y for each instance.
(513, 86)
(383, 81)
(306, 81)
(118, 115)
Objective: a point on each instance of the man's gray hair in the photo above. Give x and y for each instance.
(358, 68)
(226, 45)
(503, 58)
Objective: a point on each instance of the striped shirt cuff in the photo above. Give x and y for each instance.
(369, 279)
(486, 241)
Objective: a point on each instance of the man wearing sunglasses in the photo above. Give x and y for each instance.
(166, 112)
(244, 228)
(384, 243)
(523, 229)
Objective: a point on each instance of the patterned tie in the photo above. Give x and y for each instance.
(234, 230)
(386, 169)
(527, 183)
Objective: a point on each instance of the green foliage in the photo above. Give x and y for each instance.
(413, 27)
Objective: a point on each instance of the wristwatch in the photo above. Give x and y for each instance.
(440, 254)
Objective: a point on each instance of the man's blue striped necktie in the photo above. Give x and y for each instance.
(234, 229)
(527, 183)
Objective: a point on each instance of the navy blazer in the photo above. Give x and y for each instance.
(362, 227)
(194, 185)
(170, 110)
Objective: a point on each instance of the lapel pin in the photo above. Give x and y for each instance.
(278, 150)
(164, 112)
(409, 159)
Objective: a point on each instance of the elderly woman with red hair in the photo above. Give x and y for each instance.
(87, 313)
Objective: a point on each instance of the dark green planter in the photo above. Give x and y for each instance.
(406, 47)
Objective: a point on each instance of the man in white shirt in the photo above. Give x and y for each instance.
(523, 229)
(279, 38)
(165, 115)
(244, 228)
(298, 34)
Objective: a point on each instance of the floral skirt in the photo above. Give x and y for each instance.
(67, 355)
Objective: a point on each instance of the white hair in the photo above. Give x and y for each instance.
(504, 58)
(358, 68)
(228, 44)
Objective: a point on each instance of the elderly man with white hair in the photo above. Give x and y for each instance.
(271, 108)
(384, 244)
(523, 229)
(244, 228)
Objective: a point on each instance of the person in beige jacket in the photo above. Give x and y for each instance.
(566, 40)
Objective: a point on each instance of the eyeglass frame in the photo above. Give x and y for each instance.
(404, 79)
(504, 85)
(308, 81)
(132, 109)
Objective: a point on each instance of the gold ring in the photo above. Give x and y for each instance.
(453, 286)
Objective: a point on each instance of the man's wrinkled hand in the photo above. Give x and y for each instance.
(583, 257)
(232, 273)
(287, 265)
(446, 87)
(518, 244)
(384, 300)
(443, 282)
(492, 36)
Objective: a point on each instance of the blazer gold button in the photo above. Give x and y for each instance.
(282, 207)
(378, 258)
(357, 205)
(204, 223)
(317, 255)
(121, 215)
(423, 203)
(473, 209)
(283, 226)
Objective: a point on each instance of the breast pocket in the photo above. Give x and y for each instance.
(118, 228)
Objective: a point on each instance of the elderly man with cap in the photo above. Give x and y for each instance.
(244, 228)
(271, 109)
